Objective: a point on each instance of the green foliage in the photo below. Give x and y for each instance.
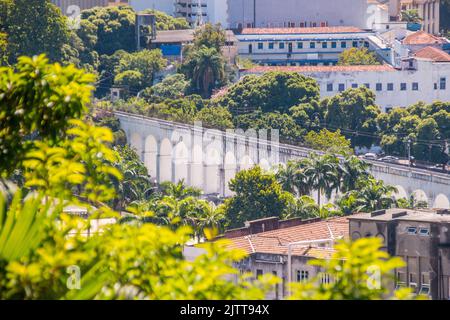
(167, 22)
(205, 67)
(215, 117)
(353, 110)
(34, 28)
(257, 195)
(36, 100)
(171, 87)
(113, 28)
(354, 270)
(331, 142)
(357, 56)
(270, 92)
(137, 70)
(411, 15)
(210, 36)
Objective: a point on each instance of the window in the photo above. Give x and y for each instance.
(366, 44)
(411, 230)
(277, 294)
(355, 44)
(390, 87)
(367, 85)
(415, 86)
(334, 45)
(271, 45)
(401, 279)
(354, 85)
(324, 45)
(435, 86)
(402, 86)
(312, 45)
(341, 87)
(329, 87)
(302, 275)
(281, 45)
(299, 45)
(260, 46)
(442, 83)
(325, 278)
(424, 232)
(343, 44)
(259, 273)
(379, 86)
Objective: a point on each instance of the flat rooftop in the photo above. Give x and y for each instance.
(316, 69)
(315, 30)
(422, 215)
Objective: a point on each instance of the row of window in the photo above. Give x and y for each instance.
(420, 231)
(412, 282)
(389, 86)
(312, 45)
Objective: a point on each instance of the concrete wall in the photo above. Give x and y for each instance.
(67, 6)
(278, 13)
(167, 6)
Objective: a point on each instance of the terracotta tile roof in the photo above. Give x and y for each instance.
(422, 37)
(433, 54)
(276, 241)
(314, 69)
(315, 30)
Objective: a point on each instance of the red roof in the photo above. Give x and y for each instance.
(422, 37)
(314, 69)
(434, 54)
(276, 241)
(301, 30)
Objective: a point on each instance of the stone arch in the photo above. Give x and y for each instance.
(229, 171)
(196, 179)
(246, 163)
(420, 196)
(441, 202)
(265, 165)
(151, 156)
(180, 161)
(213, 161)
(401, 193)
(136, 144)
(165, 161)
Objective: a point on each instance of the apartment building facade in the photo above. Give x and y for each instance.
(422, 77)
(428, 10)
(299, 46)
(285, 248)
(420, 238)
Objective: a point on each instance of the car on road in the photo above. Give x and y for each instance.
(370, 156)
(389, 159)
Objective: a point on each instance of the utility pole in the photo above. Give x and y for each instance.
(409, 151)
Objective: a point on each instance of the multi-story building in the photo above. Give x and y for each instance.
(420, 238)
(284, 248)
(299, 46)
(70, 7)
(421, 77)
(428, 11)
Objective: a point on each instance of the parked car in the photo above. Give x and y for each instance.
(370, 156)
(389, 159)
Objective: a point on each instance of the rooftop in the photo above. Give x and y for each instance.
(404, 214)
(315, 69)
(422, 37)
(316, 30)
(184, 36)
(276, 241)
(433, 54)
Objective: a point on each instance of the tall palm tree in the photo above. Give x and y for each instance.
(323, 174)
(179, 190)
(293, 179)
(351, 170)
(209, 68)
(374, 195)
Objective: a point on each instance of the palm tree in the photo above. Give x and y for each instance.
(411, 16)
(293, 179)
(209, 68)
(374, 195)
(351, 170)
(179, 190)
(323, 174)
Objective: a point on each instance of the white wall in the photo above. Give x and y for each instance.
(427, 75)
(167, 6)
(336, 12)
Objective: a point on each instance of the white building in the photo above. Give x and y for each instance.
(167, 6)
(299, 46)
(424, 77)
